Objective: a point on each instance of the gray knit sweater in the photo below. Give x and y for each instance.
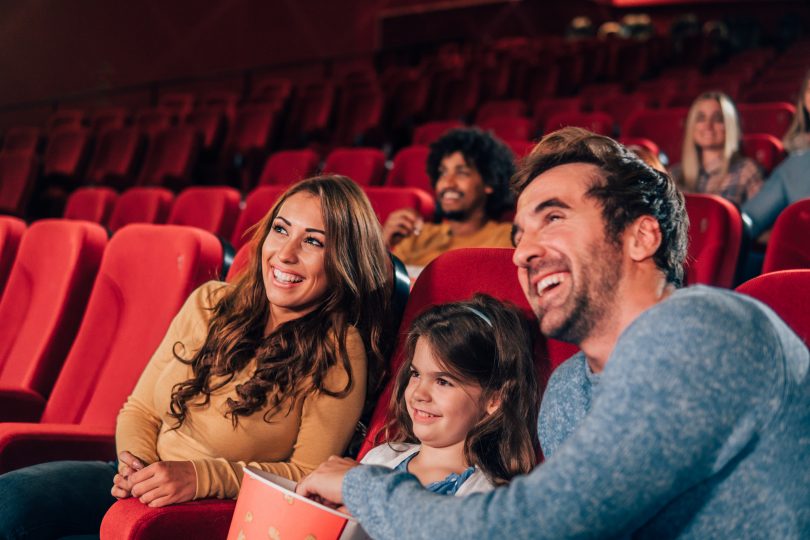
(700, 428)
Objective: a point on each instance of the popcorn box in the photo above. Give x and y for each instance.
(269, 509)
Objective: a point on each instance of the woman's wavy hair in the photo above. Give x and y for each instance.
(295, 357)
(801, 120)
(488, 343)
(690, 155)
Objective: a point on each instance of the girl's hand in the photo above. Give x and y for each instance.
(128, 464)
(164, 483)
(325, 483)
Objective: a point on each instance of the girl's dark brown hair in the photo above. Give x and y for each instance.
(493, 351)
(295, 357)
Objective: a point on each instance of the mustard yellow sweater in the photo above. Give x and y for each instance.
(290, 445)
(435, 239)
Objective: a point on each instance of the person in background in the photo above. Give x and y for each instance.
(711, 161)
(797, 138)
(470, 172)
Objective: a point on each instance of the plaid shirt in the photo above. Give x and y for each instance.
(740, 183)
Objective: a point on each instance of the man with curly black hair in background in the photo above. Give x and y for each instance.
(470, 172)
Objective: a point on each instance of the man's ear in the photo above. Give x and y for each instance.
(642, 238)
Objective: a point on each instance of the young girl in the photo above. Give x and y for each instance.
(463, 413)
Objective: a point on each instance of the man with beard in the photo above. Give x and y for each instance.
(685, 415)
(470, 172)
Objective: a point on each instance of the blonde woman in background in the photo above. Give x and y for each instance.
(711, 161)
(797, 138)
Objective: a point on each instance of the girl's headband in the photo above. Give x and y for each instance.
(480, 315)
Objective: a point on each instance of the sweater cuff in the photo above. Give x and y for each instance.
(367, 483)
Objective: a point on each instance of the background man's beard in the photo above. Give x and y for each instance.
(454, 215)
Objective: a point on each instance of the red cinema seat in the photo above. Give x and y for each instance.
(366, 166)
(146, 274)
(429, 132)
(91, 204)
(359, 114)
(506, 107)
(289, 166)
(170, 158)
(548, 107)
(665, 127)
(210, 124)
(508, 128)
(213, 209)
(787, 292)
(257, 204)
(642, 142)
(41, 310)
(772, 92)
(598, 122)
(11, 232)
(765, 149)
(715, 234)
(141, 205)
(454, 95)
(410, 168)
(311, 109)
(447, 279)
(21, 140)
(788, 246)
(65, 153)
(17, 176)
(250, 134)
(520, 149)
(386, 199)
(407, 97)
(108, 118)
(771, 118)
(152, 120)
(222, 101)
(620, 107)
(65, 118)
(115, 157)
(272, 90)
(179, 104)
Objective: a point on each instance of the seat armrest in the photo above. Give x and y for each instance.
(20, 405)
(24, 444)
(130, 519)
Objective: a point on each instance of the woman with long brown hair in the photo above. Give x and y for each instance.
(272, 371)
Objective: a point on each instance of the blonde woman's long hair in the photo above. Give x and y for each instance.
(801, 120)
(691, 155)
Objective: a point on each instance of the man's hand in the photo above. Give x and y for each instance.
(326, 482)
(401, 223)
(128, 464)
(164, 483)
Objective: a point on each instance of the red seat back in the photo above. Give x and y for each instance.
(179, 104)
(313, 107)
(506, 107)
(386, 199)
(21, 140)
(91, 204)
(17, 175)
(548, 107)
(359, 112)
(508, 127)
(257, 204)
(11, 232)
(289, 166)
(771, 118)
(429, 132)
(788, 246)
(65, 118)
(665, 127)
(141, 205)
(365, 166)
(65, 152)
(252, 128)
(146, 274)
(108, 118)
(766, 149)
(210, 124)
(171, 156)
(785, 292)
(152, 120)
(213, 209)
(410, 168)
(447, 279)
(715, 233)
(114, 157)
(47, 292)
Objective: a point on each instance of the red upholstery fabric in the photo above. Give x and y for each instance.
(766, 149)
(130, 519)
(108, 118)
(598, 122)
(252, 128)
(787, 292)
(427, 133)
(221, 101)
(547, 107)
(366, 166)
(410, 168)
(506, 107)
(257, 204)
(114, 157)
(386, 199)
(210, 124)
(170, 158)
(664, 127)
(47, 292)
(520, 149)
(66, 149)
(213, 209)
(240, 262)
(180, 104)
(642, 142)
(771, 118)
(454, 94)
(715, 233)
(65, 118)
(271, 90)
(359, 113)
(622, 106)
(312, 108)
(146, 274)
(11, 232)
(289, 166)
(789, 247)
(141, 205)
(21, 140)
(91, 204)
(508, 127)
(17, 176)
(448, 278)
(152, 120)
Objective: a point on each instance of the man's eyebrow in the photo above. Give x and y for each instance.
(550, 203)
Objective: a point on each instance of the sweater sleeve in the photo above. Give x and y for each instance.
(678, 400)
(327, 425)
(765, 206)
(139, 421)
